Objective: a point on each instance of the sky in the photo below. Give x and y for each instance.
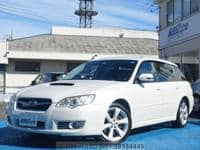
(31, 17)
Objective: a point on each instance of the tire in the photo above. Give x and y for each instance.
(117, 124)
(182, 115)
(196, 103)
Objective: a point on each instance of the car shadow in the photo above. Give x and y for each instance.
(195, 115)
(10, 137)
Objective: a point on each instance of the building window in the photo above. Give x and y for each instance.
(27, 66)
(194, 6)
(177, 10)
(186, 8)
(170, 12)
(71, 66)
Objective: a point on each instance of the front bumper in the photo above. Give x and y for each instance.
(92, 115)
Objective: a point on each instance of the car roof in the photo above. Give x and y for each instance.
(139, 58)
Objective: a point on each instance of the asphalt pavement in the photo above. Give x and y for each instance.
(2, 110)
(162, 136)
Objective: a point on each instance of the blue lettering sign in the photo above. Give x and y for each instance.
(178, 29)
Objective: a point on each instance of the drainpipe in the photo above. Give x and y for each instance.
(199, 63)
(181, 63)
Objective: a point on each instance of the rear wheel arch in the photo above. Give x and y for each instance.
(182, 113)
(196, 107)
(197, 94)
(186, 99)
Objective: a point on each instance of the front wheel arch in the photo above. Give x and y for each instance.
(124, 103)
(127, 105)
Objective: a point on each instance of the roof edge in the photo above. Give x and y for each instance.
(104, 32)
(40, 35)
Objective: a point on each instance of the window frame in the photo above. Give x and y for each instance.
(181, 11)
(191, 13)
(20, 63)
(168, 3)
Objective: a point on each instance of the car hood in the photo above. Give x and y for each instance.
(62, 89)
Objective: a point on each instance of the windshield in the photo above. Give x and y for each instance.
(111, 70)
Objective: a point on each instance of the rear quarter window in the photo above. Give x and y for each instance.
(168, 73)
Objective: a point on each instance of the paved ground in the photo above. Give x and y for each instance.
(2, 110)
(151, 138)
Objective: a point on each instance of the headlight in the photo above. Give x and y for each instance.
(73, 102)
(12, 101)
(13, 98)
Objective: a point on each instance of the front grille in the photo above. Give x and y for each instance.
(33, 104)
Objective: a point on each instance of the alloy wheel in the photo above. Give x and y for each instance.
(116, 124)
(183, 116)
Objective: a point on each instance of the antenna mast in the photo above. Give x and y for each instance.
(86, 13)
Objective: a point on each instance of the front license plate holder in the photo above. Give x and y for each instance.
(28, 121)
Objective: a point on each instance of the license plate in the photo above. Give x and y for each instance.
(28, 121)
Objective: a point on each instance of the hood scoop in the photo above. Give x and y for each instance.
(62, 84)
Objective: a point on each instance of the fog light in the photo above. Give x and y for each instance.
(76, 124)
(70, 124)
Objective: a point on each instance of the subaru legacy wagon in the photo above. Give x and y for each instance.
(105, 97)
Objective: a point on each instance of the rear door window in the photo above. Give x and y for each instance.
(168, 73)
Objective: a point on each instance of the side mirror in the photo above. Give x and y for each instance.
(146, 77)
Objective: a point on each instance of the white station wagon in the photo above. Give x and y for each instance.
(106, 97)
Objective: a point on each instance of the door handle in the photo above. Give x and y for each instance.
(158, 89)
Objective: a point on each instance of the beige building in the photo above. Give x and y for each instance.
(3, 62)
(65, 48)
(179, 34)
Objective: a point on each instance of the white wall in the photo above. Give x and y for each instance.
(105, 32)
(3, 49)
(17, 80)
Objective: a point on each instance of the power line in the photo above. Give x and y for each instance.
(11, 10)
(21, 13)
